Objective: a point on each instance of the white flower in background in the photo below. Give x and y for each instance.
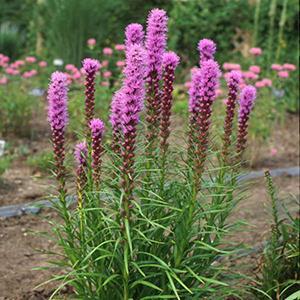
(2, 146)
(58, 62)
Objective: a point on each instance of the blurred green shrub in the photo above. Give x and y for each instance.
(10, 40)
(5, 162)
(42, 161)
(16, 110)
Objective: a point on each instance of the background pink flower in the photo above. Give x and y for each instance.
(255, 69)
(256, 51)
(43, 64)
(107, 51)
(283, 74)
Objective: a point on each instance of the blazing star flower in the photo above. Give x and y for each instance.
(115, 119)
(170, 62)
(156, 39)
(247, 100)
(207, 48)
(58, 120)
(205, 81)
(133, 93)
(81, 155)
(133, 87)
(134, 34)
(91, 66)
(233, 82)
(256, 51)
(97, 129)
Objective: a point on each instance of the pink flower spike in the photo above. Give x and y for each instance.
(170, 59)
(91, 65)
(80, 154)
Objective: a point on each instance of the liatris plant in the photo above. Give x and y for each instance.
(115, 121)
(137, 237)
(156, 40)
(207, 49)
(208, 77)
(247, 99)
(58, 119)
(134, 35)
(133, 95)
(97, 130)
(233, 83)
(80, 155)
(90, 66)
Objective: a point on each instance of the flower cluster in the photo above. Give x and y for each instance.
(58, 119)
(207, 48)
(90, 66)
(97, 129)
(134, 34)
(170, 62)
(246, 103)
(233, 84)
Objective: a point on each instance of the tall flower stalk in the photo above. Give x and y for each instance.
(91, 67)
(97, 129)
(133, 94)
(156, 40)
(80, 155)
(58, 120)
(170, 62)
(233, 82)
(247, 100)
(208, 77)
(116, 121)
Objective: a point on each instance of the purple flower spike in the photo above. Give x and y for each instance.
(90, 66)
(202, 94)
(80, 155)
(134, 35)
(115, 119)
(170, 62)
(57, 101)
(156, 39)
(97, 129)
(133, 87)
(247, 99)
(58, 120)
(233, 82)
(207, 49)
(133, 93)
